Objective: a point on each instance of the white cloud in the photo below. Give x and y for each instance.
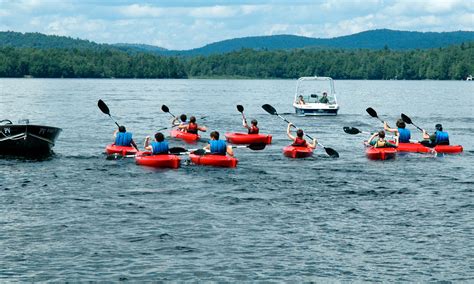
(136, 11)
(213, 12)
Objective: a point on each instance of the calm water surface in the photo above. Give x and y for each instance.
(78, 216)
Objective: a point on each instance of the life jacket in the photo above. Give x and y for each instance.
(299, 142)
(218, 147)
(380, 144)
(404, 135)
(123, 139)
(442, 138)
(192, 128)
(159, 147)
(253, 130)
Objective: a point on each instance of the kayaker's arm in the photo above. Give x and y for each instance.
(229, 151)
(174, 121)
(115, 133)
(134, 145)
(244, 123)
(387, 128)
(372, 138)
(288, 132)
(313, 145)
(426, 136)
(202, 128)
(147, 145)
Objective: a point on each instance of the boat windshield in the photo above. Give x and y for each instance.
(315, 92)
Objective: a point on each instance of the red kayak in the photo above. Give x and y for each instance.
(157, 161)
(121, 150)
(380, 153)
(297, 151)
(419, 148)
(214, 160)
(186, 137)
(244, 138)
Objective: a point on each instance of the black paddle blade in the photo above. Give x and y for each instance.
(405, 118)
(351, 130)
(200, 152)
(164, 108)
(257, 146)
(331, 152)
(427, 143)
(268, 108)
(103, 107)
(371, 112)
(240, 108)
(177, 150)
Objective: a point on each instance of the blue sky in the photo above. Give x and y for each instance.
(190, 24)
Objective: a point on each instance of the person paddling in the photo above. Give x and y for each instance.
(124, 138)
(253, 128)
(218, 147)
(380, 142)
(299, 141)
(404, 135)
(439, 137)
(180, 121)
(192, 126)
(159, 146)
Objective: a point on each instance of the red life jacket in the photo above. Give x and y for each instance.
(299, 142)
(253, 130)
(192, 128)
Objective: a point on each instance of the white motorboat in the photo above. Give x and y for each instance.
(315, 96)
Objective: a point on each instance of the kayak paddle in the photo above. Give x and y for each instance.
(105, 109)
(271, 110)
(407, 120)
(241, 110)
(164, 108)
(254, 146)
(353, 130)
(373, 113)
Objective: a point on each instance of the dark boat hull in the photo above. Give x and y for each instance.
(27, 139)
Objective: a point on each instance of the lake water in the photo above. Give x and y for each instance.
(78, 216)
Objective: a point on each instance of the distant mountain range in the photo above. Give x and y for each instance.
(374, 39)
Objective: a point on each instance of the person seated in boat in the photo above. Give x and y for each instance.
(124, 138)
(404, 134)
(192, 126)
(218, 147)
(253, 129)
(378, 140)
(178, 121)
(299, 141)
(439, 137)
(300, 100)
(159, 146)
(324, 99)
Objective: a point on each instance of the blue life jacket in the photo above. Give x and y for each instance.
(405, 135)
(159, 147)
(442, 138)
(218, 147)
(123, 139)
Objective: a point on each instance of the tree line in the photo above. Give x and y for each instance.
(450, 63)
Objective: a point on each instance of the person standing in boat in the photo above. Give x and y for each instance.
(218, 147)
(381, 142)
(159, 146)
(253, 129)
(404, 135)
(176, 121)
(299, 141)
(192, 126)
(124, 138)
(439, 137)
(324, 99)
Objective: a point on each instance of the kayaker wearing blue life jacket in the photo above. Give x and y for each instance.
(299, 141)
(159, 146)
(218, 147)
(404, 135)
(124, 138)
(380, 142)
(192, 126)
(176, 121)
(253, 129)
(439, 137)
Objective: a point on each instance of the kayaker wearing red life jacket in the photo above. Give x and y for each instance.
(159, 146)
(176, 121)
(439, 137)
(404, 134)
(253, 129)
(299, 140)
(380, 142)
(124, 138)
(218, 147)
(192, 126)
